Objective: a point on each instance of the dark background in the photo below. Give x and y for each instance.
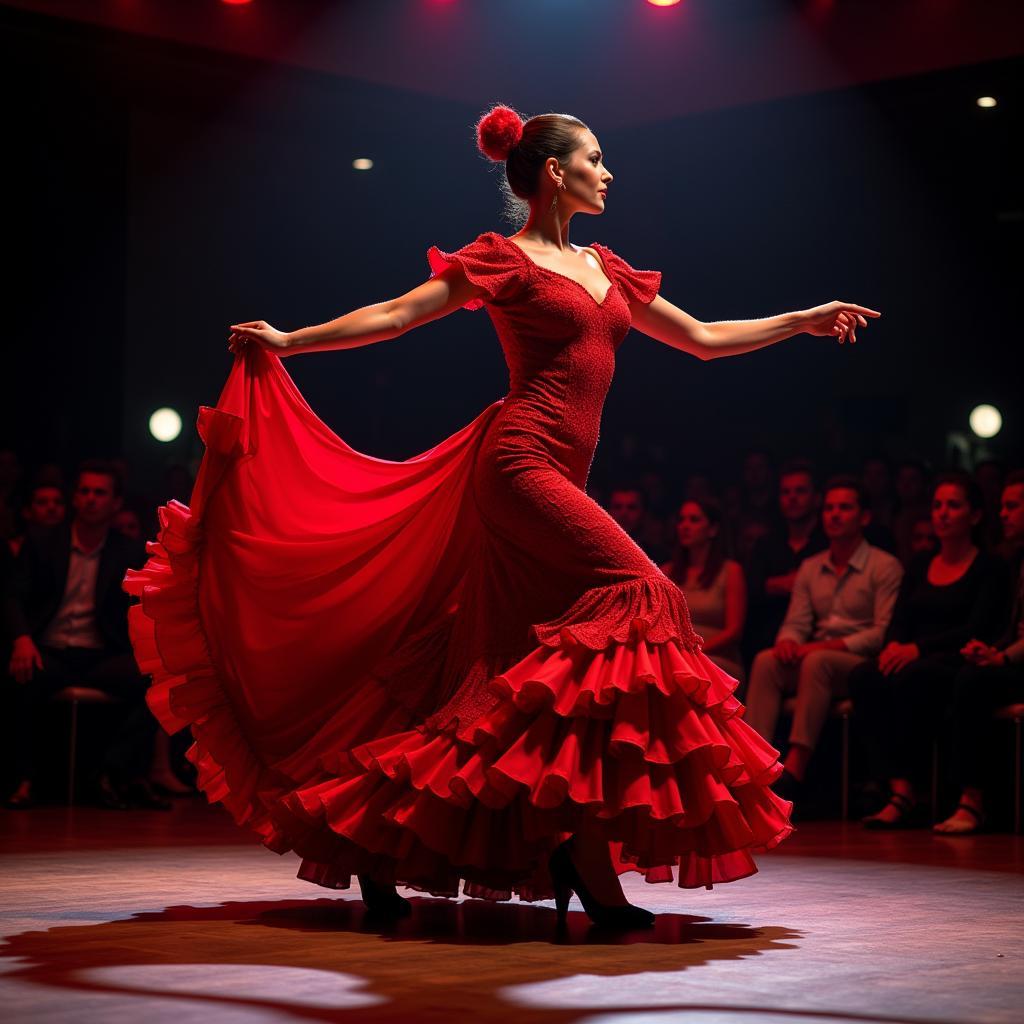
(158, 190)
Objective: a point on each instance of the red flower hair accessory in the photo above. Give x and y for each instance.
(498, 131)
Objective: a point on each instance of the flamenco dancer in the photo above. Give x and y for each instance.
(458, 669)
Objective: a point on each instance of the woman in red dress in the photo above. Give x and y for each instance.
(459, 668)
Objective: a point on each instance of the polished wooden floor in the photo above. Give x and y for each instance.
(150, 917)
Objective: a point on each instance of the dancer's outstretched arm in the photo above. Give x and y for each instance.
(431, 300)
(669, 324)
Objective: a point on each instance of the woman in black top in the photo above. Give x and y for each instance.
(945, 600)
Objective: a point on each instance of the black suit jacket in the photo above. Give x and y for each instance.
(36, 581)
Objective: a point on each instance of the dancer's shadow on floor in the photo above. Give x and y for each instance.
(446, 959)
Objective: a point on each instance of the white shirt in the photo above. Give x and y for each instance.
(74, 625)
(855, 605)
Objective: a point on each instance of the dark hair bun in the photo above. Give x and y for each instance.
(498, 131)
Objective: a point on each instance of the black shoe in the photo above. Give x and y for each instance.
(566, 879)
(382, 900)
(139, 794)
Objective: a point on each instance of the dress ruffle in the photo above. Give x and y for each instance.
(643, 607)
(637, 285)
(485, 262)
(642, 737)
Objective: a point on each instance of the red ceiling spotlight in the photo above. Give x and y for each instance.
(235, 3)
(663, 3)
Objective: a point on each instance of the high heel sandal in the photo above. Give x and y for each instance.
(382, 900)
(566, 879)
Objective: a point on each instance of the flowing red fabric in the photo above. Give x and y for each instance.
(436, 670)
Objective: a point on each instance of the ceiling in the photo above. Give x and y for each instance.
(627, 60)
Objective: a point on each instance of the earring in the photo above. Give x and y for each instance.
(554, 198)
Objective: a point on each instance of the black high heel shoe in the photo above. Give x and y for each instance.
(566, 879)
(382, 900)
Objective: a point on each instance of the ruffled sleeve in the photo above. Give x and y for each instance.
(636, 285)
(486, 263)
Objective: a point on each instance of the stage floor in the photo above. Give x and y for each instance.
(149, 917)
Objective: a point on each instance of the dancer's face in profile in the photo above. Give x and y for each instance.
(585, 177)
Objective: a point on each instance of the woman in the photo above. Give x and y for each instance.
(992, 677)
(716, 592)
(459, 667)
(945, 600)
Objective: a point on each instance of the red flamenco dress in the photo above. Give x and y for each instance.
(436, 670)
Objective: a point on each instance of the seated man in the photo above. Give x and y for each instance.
(842, 601)
(771, 571)
(66, 614)
(628, 507)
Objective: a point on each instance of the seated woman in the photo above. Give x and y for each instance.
(992, 678)
(945, 600)
(714, 585)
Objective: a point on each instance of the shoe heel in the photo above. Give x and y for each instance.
(562, 894)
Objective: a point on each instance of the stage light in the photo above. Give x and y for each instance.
(235, 3)
(986, 420)
(986, 101)
(663, 3)
(165, 424)
(362, 163)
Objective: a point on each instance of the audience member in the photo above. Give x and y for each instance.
(626, 505)
(842, 601)
(67, 615)
(988, 474)
(127, 521)
(922, 537)
(715, 590)
(46, 507)
(945, 600)
(913, 501)
(750, 508)
(771, 569)
(877, 478)
(992, 677)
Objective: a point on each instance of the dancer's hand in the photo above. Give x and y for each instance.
(258, 331)
(838, 318)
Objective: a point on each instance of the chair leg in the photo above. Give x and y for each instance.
(1016, 774)
(73, 753)
(845, 782)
